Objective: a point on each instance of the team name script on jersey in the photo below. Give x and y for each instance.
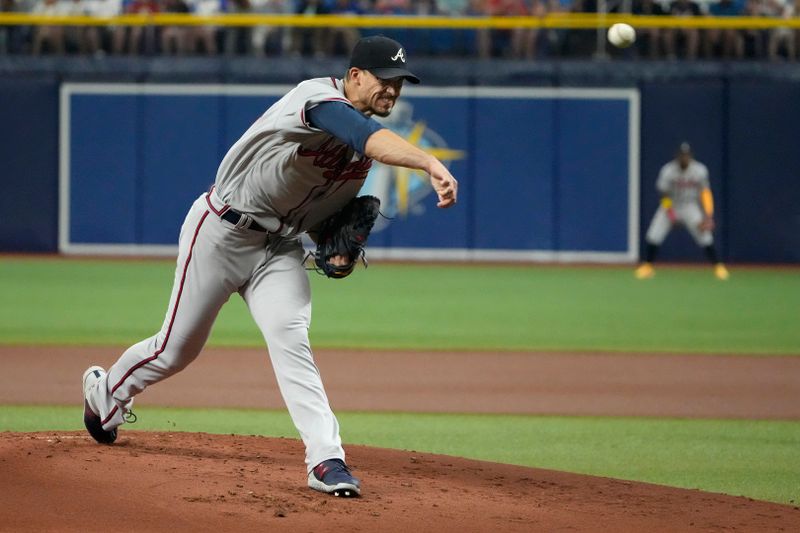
(336, 159)
(685, 183)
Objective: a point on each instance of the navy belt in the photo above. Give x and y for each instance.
(235, 217)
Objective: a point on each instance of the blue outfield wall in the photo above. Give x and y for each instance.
(29, 164)
(763, 170)
(536, 174)
(538, 185)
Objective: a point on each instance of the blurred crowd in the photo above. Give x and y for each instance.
(779, 44)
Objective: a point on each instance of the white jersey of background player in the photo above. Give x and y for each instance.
(686, 200)
(299, 163)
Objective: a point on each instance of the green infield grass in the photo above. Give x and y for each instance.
(390, 306)
(757, 459)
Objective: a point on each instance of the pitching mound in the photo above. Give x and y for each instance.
(192, 482)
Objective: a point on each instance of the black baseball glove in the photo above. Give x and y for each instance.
(345, 234)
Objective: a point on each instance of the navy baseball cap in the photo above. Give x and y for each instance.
(384, 57)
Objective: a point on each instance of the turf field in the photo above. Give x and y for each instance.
(682, 310)
(430, 307)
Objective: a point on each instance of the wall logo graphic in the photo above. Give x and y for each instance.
(402, 190)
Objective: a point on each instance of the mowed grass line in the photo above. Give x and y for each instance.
(428, 307)
(757, 459)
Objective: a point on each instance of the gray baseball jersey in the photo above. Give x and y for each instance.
(286, 174)
(683, 186)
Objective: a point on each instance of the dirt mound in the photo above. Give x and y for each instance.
(189, 482)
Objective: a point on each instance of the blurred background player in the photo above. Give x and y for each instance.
(685, 199)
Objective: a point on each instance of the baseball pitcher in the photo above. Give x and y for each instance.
(686, 199)
(296, 170)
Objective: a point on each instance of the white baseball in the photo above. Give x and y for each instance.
(621, 35)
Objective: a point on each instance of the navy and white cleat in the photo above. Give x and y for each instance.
(334, 477)
(91, 419)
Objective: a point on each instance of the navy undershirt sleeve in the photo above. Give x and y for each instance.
(344, 123)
